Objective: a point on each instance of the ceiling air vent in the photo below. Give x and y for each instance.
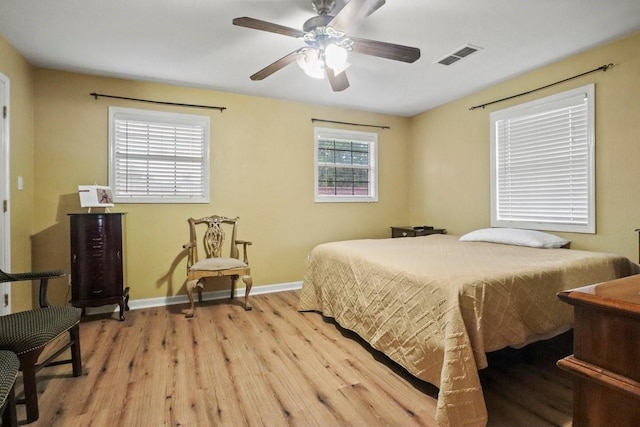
(463, 52)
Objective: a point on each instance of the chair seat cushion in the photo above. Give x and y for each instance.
(9, 367)
(216, 264)
(27, 330)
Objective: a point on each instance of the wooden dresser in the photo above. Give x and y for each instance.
(606, 360)
(96, 261)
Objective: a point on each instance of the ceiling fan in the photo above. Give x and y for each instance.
(327, 42)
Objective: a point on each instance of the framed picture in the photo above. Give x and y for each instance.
(95, 196)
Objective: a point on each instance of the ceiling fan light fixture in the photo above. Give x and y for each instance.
(311, 62)
(319, 59)
(335, 57)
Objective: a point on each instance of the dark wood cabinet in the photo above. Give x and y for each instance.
(408, 231)
(96, 261)
(606, 360)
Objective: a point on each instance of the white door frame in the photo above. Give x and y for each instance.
(5, 180)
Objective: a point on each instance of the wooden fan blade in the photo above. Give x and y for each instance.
(270, 27)
(353, 13)
(278, 65)
(338, 82)
(385, 50)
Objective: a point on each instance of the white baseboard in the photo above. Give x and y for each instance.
(206, 296)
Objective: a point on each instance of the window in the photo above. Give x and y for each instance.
(542, 162)
(345, 165)
(157, 157)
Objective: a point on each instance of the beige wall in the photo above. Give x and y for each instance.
(262, 171)
(450, 169)
(21, 102)
(434, 169)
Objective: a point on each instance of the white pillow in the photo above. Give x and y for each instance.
(515, 236)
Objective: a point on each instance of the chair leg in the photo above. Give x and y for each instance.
(233, 286)
(191, 284)
(248, 282)
(76, 355)
(9, 417)
(28, 366)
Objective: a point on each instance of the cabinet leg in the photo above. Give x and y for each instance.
(126, 298)
(124, 303)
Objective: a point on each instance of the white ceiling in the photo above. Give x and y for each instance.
(193, 43)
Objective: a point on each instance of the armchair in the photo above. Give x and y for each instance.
(9, 366)
(27, 333)
(213, 264)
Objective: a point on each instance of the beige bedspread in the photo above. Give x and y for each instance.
(436, 305)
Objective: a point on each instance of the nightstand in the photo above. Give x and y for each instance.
(408, 231)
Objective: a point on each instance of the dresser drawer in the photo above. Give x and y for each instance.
(408, 231)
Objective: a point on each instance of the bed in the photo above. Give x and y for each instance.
(436, 305)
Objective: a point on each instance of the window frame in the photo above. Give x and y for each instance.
(369, 138)
(171, 118)
(550, 103)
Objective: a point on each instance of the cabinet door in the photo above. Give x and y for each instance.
(96, 275)
(96, 256)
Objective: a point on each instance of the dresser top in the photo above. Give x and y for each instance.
(96, 213)
(619, 294)
(624, 289)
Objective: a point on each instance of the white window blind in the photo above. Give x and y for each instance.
(158, 157)
(543, 165)
(345, 166)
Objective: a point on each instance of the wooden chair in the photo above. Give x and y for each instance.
(27, 333)
(213, 264)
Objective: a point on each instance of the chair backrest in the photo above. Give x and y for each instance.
(213, 237)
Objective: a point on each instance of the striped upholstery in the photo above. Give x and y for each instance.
(9, 366)
(28, 330)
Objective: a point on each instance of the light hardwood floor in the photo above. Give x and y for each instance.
(272, 366)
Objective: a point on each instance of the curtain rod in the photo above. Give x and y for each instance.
(347, 123)
(601, 68)
(96, 95)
